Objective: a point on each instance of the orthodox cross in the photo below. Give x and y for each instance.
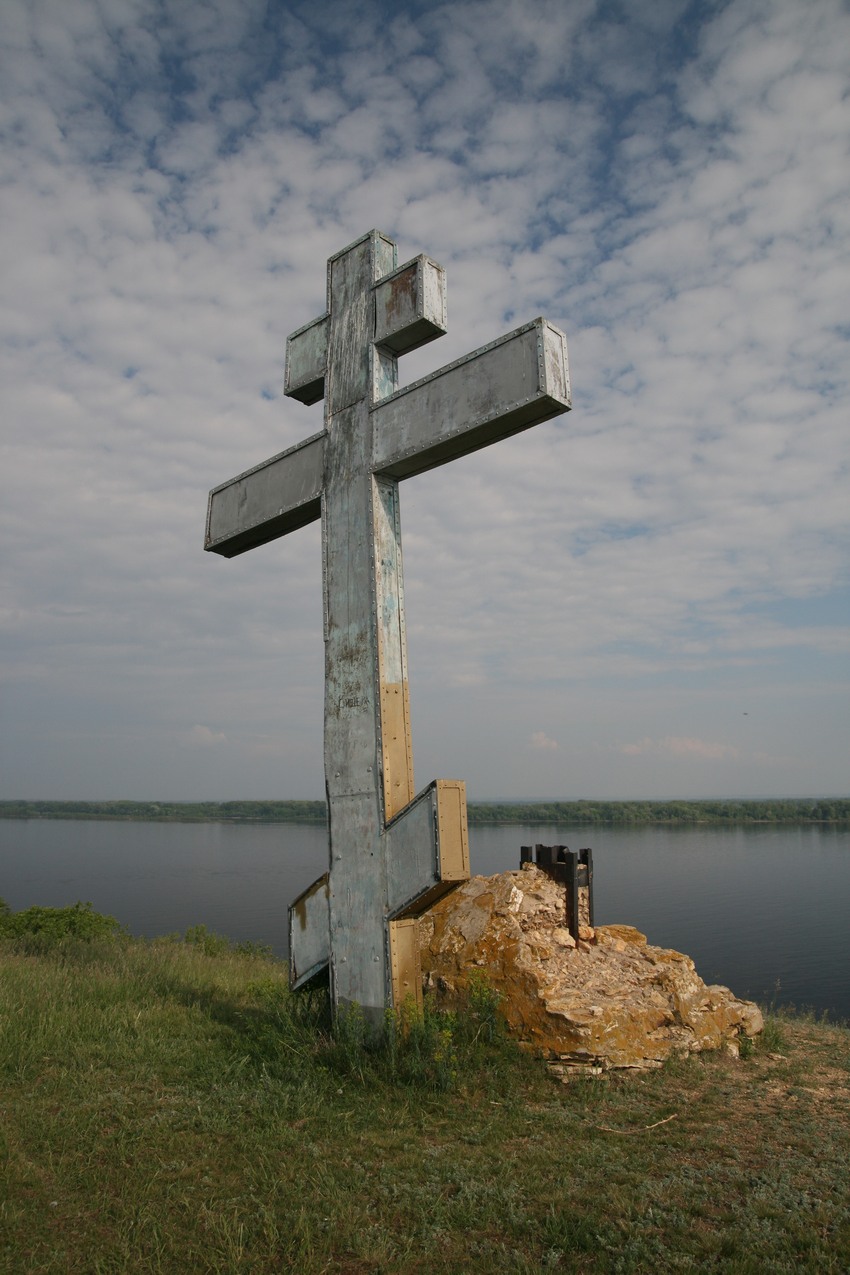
(392, 852)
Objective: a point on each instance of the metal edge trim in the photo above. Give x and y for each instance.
(297, 979)
(370, 235)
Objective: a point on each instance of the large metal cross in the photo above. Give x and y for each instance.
(392, 852)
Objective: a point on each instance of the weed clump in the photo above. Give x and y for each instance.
(774, 1038)
(212, 944)
(427, 1049)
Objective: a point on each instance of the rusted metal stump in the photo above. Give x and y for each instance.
(574, 869)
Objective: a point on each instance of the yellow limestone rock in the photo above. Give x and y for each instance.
(610, 1000)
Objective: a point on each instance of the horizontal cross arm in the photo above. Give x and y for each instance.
(507, 386)
(309, 933)
(268, 501)
(410, 306)
(307, 361)
(428, 848)
(427, 855)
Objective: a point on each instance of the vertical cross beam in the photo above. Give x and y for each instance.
(363, 660)
(391, 852)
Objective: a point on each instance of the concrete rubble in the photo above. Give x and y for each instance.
(608, 1000)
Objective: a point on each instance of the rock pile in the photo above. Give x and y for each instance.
(609, 999)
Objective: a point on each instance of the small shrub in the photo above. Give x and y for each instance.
(210, 943)
(248, 947)
(52, 926)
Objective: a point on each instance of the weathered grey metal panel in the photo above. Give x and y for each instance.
(556, 364)
(410, 306)
(307, 361)
(503, 388)
(427, 850)
(386, 253)
(384, 373)
(359, 964)
(350, 638)
(268, 501)
(309, 932)
(359, 957)
(351, 274)
(412, 860)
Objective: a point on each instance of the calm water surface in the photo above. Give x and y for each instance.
(763, 910)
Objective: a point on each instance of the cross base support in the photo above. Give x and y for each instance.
(426, 852)
(405, 962)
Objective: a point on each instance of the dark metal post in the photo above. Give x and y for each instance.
(571, 882)
(573, 869)
(586, 857)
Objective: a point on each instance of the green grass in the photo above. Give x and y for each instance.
(170, 1106)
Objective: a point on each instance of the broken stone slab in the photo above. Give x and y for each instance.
(610, 1000)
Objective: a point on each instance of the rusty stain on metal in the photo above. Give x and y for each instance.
(391, 851)
(307, 930)
(401, 294)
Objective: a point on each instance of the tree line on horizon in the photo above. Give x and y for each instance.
(590, 813)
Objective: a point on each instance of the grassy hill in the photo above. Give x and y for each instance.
(169, 1106)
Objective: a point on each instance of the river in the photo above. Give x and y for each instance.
(763, 909)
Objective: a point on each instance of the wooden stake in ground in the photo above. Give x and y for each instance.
(392, 852)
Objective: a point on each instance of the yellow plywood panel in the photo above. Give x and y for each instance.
(453, 830)
(396, 747)
(405, 962)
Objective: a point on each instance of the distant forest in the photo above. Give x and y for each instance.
(778, 811)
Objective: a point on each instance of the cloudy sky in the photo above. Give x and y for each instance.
(646, 597)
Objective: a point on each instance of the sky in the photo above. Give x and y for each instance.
(646, 597)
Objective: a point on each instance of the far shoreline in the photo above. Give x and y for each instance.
(737, 812)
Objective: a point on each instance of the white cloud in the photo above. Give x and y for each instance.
(203, 737)
(174, 180)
